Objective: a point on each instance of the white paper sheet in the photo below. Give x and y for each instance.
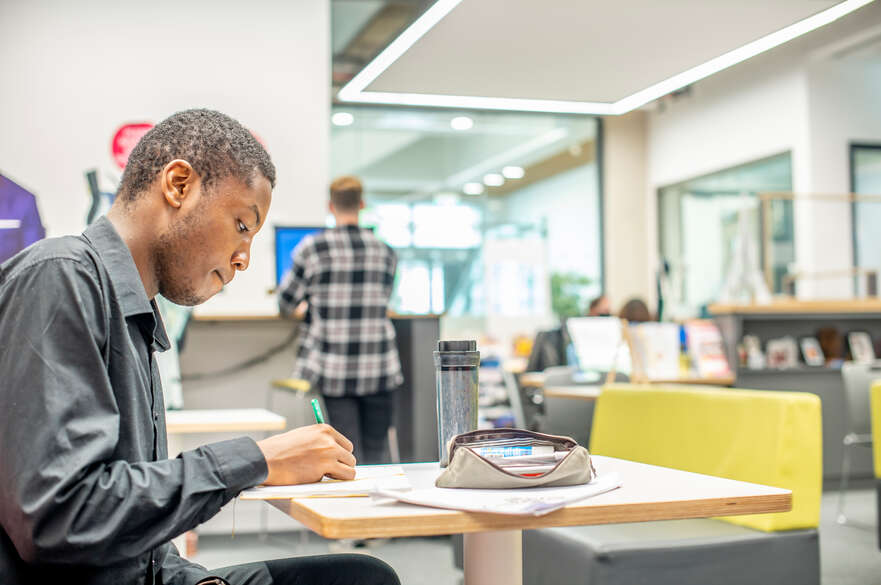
(599, 344)
(522, 501)
(367, 479)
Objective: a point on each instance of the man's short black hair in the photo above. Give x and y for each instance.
(216, 145)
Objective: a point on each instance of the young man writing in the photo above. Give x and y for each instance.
(87, 494)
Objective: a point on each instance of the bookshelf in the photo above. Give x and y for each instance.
(802, 319)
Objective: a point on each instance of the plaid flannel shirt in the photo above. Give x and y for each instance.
(346, 275)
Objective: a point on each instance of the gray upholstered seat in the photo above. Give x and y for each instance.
(674, 552)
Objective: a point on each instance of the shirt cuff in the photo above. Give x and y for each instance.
(241, 463)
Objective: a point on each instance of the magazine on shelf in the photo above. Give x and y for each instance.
(657, 345)
(706, 349)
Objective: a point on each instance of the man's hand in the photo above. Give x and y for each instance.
(307, 454)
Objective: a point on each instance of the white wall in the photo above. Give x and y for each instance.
(73, 72)
(727, 121)
(798, 99)
(844, 99)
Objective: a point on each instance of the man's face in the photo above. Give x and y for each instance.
(209, 239)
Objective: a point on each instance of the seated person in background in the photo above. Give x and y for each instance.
(600, 307)
(88, 495)
(348, 352)
(635, 311)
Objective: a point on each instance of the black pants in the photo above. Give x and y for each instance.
(365, 421)
(312, 570)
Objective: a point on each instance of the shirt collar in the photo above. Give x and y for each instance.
(124, 275)
(352, 228)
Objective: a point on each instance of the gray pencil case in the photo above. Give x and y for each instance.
(468, 469)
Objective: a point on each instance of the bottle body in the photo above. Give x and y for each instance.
(456, 369)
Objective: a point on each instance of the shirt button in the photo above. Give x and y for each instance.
(155, 416)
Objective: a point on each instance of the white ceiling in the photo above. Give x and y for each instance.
(579, 50)
(417, 154)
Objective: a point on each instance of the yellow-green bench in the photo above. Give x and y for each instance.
(772, 438)
(875, 406)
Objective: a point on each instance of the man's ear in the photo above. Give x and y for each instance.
(361, 204)
(330, 207)
(177, 180)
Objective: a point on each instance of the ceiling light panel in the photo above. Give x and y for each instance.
(513, 172)
(720, 35)
(342, 119)
(472, 188)
(461, 123)
(493, 180)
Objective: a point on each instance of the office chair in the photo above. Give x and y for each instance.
(294, 386)
(858, 379)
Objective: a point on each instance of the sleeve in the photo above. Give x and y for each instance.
(64, 497)
(295, 286)
(31, 227)
(179, 571)
(392, 269)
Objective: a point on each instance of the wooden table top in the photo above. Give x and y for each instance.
(576, 391)
(223, 420)
(648, 493)
(532, 379)
(537, 380)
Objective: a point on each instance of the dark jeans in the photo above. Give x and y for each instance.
(313, 570)
(365, 421)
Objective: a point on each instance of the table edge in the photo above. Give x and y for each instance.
(452, 522)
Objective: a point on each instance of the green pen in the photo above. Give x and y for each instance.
(316, 410)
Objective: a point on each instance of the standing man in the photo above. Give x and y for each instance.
(348, 352)
(87, 493)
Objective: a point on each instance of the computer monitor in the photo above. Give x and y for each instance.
(287, 237)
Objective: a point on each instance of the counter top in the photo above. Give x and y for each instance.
(794, 307)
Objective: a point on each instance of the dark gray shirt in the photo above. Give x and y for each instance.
(87, 493)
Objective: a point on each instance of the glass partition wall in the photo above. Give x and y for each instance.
(700, 219)
(483, 208)
(865, 161)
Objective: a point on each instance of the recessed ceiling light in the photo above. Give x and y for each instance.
(354, 91)
(513, 172)
(446, 199)
(461, 123)
(342, 119)
(493, 180)
(472, 188)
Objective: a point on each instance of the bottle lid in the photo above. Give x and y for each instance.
(452, 345)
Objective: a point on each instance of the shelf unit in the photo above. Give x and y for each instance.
(802, 319)
(798, 370)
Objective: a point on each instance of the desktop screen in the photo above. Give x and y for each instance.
(286, 239)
